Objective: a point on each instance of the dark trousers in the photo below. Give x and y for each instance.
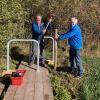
(75, 60)
(33, 56)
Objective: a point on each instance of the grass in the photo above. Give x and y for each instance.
(59, 90)
(48, 54)
(90, 85)
(67, 87)
(12, 65)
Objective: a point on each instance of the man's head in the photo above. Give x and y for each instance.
(74, 20)
(39, 19)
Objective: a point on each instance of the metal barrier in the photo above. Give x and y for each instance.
(27, 40)
(48, 37)
(23, 40)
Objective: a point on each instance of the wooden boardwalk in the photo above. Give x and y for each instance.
(36, 86)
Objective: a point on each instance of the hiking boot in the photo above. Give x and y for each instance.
(74, 71)
(42, 64)
(79, 74)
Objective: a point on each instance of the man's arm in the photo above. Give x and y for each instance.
(47, 26)
(67, 35)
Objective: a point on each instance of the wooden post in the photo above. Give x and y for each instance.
(55, 54)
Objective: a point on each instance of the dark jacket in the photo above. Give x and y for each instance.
(37, 31)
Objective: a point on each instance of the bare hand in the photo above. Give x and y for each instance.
(56, 36)
(50, 20)
(44, 31)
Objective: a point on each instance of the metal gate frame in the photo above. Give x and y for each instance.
(23, 40)
(49, 37)
(27, 40)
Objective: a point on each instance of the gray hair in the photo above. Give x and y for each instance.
(39, 15)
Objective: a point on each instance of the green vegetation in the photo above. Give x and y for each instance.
(90, 86)
(71, 88)
(48, 54)
(60, 92)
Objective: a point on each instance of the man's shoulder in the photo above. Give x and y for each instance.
(34, 23)
(76, 27)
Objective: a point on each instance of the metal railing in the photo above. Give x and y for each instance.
(27, 40)
(48, 37)
(21, 40)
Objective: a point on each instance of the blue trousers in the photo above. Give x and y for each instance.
(75, 60)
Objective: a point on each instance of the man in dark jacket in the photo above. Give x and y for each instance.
(38, 31)
(74, 37)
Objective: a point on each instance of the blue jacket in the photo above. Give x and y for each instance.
(74, 37)
(37, 31)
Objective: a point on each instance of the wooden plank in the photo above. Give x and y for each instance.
(29, 94)
(10, 93)
(39, 86)
(48, 93)
(36, 86)
(20, 93)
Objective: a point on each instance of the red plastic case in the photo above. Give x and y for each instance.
(18, 80)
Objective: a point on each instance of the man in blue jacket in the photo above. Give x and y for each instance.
(37, 34)
(74, 37)
(38, 31)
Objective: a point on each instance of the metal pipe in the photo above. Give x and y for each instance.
(23, 40)
(49, 37)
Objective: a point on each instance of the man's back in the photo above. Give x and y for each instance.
(76, 40)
